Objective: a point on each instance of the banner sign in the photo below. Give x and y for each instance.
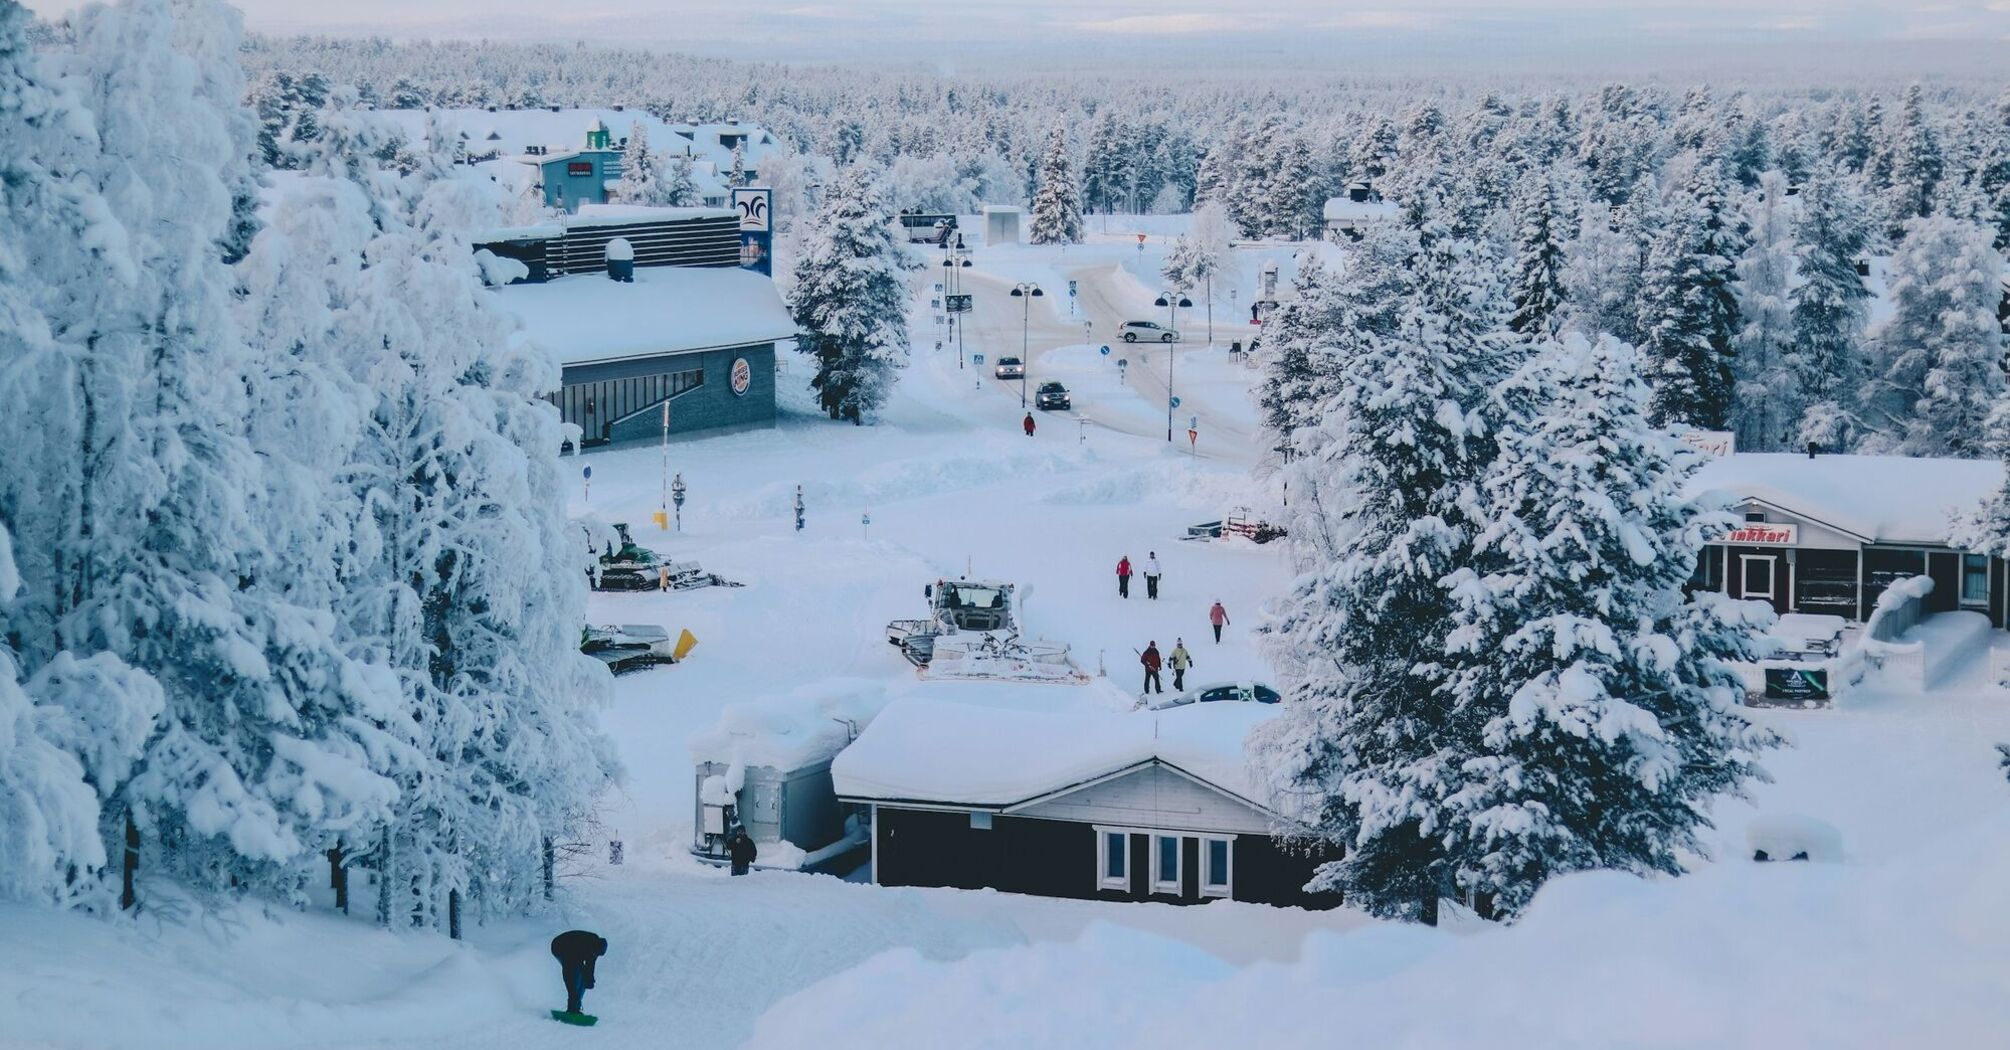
(957, 304)
(755, 205)
(1764, 534)
(1797, 683)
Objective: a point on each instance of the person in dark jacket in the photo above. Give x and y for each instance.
(1124, 576)
(741, 848)
(1150, 658)
(576, 951)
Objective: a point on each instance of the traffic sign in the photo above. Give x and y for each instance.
(1174, 402)
(976, 359)
(1193, 422)
(957, 304)
(1071, 289)
(587, 472)
(1106, 350)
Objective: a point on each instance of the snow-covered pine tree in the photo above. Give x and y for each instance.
(1917, 163)
(1830, 305)
(737, 175)
(1939, 356)
(1057, 204)
(850, 299)
(641, 179)
(1366, 758)
(1689, 305)
(1538, 284)
(1606, 699)
(1604, 271)
(680, 185)
(1769, 398)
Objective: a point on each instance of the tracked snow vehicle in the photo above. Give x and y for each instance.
(972, 631)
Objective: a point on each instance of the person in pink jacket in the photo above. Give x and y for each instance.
(1124, 577)
(1217, 616)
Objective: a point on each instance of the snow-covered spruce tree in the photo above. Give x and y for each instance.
(1603, 274)
(1057, 204)
(680, 185)
(1917, 163)
(641, 179)
(1830, 305)
(1367, 757)
(1605, 698)
(1769, 397)
(1939, 356)
(1689, 305)
(737, 175)
(1537, 288)
(850, 299)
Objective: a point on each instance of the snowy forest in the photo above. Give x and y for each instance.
(289, 591)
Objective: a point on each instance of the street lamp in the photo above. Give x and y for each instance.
(1172, 301)
(954, 261)
(1026, 292)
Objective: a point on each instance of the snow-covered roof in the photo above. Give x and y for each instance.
(618, 214)
(587, 318)
(1882, 499)
(1343, 209)
(923, 750)
(797, 729)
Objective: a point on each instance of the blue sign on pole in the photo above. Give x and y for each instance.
(1106, 350)
(1175, 402)
(587, 472)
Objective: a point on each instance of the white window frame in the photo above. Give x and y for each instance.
(1160, 883)
(1104, 880)
(1227, 888)
(1961, 575)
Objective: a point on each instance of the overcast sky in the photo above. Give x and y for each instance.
(942, 30)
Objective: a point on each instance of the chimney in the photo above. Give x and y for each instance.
(621, 260)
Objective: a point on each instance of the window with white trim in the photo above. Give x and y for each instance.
(1975, 579)
(1217, 867)
(1113, 859)
(1165, 863)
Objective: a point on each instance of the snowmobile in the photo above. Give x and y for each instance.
(633, 567)
(972, 632)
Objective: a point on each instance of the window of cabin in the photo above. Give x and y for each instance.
(1113, 860)
(1165, 864)
(1217, 867)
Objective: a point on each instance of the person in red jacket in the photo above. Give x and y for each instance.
(1124, 576)
(1217, 616)
(1150, 658)
(1029, 424)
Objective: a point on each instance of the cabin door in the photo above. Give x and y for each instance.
(1759, 578)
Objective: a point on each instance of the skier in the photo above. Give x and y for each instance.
(1217, 616)
(575, 951)
(741, 848)
(1179, 660)
(1152, 575)
(1028, 424)
(1124, 576)
(1150, 658)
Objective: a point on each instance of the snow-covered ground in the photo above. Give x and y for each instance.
(1902, 943)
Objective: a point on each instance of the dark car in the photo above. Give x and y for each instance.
(1051, 395)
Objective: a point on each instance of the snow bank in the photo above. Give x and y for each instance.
(1789, 835)
(810, 724)
(988, 756)
(1913, 953)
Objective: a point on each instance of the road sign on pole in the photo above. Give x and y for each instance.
(1106, 350)
(1173, 401)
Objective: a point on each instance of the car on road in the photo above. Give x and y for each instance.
(1220, 692)
(1051, 395)
(1149, 331)
(1009, 368)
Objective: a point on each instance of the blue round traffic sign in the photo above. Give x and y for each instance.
(587, 471)
(1106, 350)
(1175, 402)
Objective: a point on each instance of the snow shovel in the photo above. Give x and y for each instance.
(568, 1017)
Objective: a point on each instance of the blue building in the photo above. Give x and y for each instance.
(678, 322)
(575, 177)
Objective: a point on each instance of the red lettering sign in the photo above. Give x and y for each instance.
(1764, 534)
(579, 167)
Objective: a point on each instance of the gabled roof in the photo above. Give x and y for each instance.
(945, 753)
(1875, 499)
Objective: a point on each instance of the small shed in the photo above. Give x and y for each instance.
(766, 766)
(1001, 224)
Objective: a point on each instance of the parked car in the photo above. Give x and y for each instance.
(1009, 368)
(1051, 395)
(1149, 331)
(1220, 692)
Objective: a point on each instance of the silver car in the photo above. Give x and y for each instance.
(1009, 368)
(1148, 331)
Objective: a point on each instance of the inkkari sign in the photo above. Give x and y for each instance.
(1764, 534)
(1797, 683)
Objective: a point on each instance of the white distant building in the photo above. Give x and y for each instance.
(1001, 224)
(1350, 216)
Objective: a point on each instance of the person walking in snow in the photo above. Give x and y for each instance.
(1124, 576)
(1152, 575)
(576, 951)
(1217, 616)
(740, 846)
(1179, 660)
(1150, 658)
(1028, 424)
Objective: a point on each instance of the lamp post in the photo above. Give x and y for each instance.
(1172, 301)
(1026, 292)
(954, 261)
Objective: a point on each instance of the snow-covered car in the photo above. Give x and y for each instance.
(1009, 368)
(1220, 692)
(1051, 395)
(1149, 331)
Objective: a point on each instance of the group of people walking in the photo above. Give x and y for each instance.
(1179, 660)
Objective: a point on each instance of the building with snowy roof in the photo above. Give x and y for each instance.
(644, 308)
(1128, 806)
(1828, 534)
(1350, 216)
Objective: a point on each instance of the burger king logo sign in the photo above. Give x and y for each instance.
(742, 377)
